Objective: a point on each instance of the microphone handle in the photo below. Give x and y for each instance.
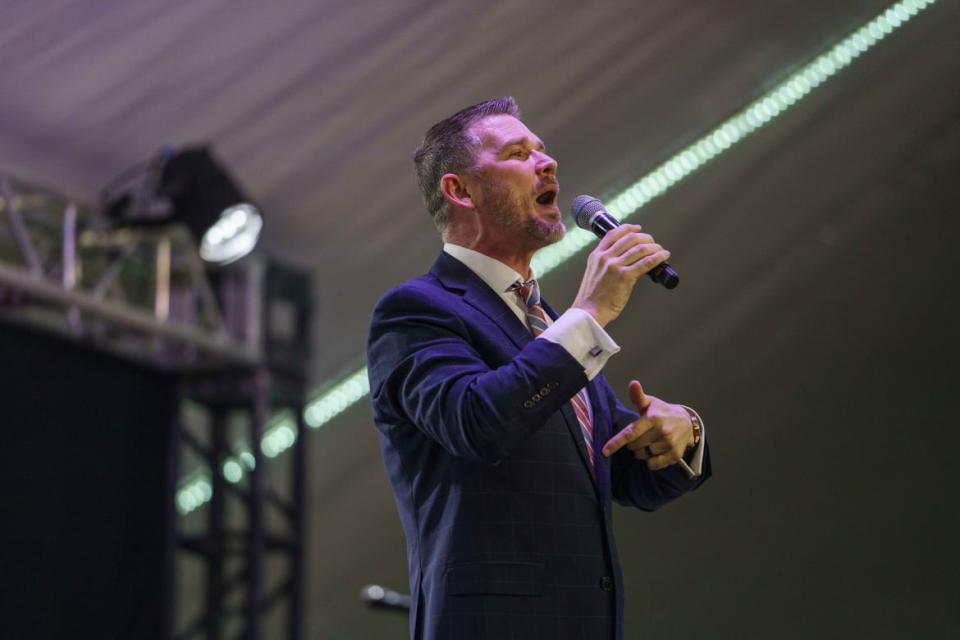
(664, 274)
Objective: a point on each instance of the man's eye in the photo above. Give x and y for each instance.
(519, 153)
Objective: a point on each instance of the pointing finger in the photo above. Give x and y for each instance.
(631, 432)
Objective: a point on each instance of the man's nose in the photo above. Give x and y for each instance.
(546, 165)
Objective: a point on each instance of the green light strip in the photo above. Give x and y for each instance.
(196, 491)
(336, 400)
(751, 118)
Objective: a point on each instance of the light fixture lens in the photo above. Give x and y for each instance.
(233, 236)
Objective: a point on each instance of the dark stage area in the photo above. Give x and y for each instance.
(88, 500)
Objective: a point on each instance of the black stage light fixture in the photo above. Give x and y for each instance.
(207, 200)
(189, 186)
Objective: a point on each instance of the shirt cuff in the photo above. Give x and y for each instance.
(583, 338)
(695, 467)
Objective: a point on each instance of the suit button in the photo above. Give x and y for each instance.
(527, 404)
(536, 397)
(545, 391)
(553, 385)
(606, 583)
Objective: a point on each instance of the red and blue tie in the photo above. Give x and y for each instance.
(538, 321)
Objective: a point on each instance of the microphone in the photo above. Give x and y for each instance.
(380, 598)
(590, 215)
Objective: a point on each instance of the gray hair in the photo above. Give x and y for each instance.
(448, 147)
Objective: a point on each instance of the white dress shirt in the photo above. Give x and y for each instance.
(575, 330)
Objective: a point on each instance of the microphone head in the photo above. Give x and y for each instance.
(583, 209)
(373, 594)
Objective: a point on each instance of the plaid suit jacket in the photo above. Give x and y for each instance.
(508, 531)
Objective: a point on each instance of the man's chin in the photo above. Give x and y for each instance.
(548, 232)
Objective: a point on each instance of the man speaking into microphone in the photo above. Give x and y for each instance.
(504, 443)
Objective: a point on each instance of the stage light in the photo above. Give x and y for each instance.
(336, 400)
(191, 187)
(207, 200)
(247, 459)
(193, 494)
(185, 502)
(279, 437)
(232, 471)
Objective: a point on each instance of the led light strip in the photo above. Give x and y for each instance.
(197, 490)
(751, 118)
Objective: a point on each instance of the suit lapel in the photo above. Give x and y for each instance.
(455, 275)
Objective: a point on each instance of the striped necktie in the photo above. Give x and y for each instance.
(538, 321)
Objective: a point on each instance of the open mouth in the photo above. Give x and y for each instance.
(547, 198)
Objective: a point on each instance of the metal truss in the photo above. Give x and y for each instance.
(233, 544)
(143, 293)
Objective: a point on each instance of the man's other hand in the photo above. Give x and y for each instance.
(660, 436)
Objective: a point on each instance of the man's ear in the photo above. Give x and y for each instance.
(454, 189)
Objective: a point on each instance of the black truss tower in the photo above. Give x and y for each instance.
(258, 393)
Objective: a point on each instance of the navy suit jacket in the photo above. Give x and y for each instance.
(508, 530)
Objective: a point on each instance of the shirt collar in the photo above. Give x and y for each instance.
(497, 275)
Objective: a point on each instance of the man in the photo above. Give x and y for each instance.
(503, 441)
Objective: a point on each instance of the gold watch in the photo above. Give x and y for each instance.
(697, 426)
